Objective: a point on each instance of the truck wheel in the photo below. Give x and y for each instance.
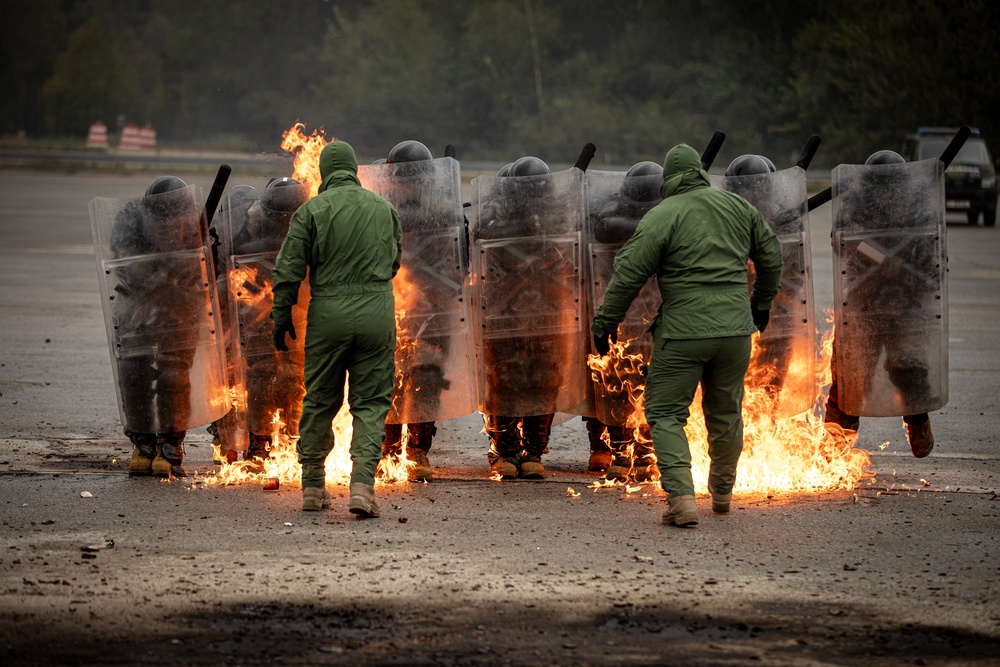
(989, 217)
(973, 217)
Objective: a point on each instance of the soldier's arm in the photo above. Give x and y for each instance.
(397, 233)
(765, 253)
(291, 265)
(638, 259)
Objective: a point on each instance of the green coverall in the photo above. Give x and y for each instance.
(697, 242)
(349, 239)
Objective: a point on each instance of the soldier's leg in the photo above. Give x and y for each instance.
(918, 434)
(674, 372)
(371, 372)
(722, 403)
(420, 437)
(600, 450)
(173, 389)
(644, 458)
(169, 455)
(325, 373)
(834, 415)
(143, 453)
(505, 444)
(537, 429)
(622, 447)
(393, 442)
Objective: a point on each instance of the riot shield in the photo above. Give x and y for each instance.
(270, 385)
(615, 207)
(433, 351)
(161, 310)
(528, 290)
(784, 360)
(890, 288)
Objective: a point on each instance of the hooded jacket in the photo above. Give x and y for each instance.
(697, 242)
(346, 237)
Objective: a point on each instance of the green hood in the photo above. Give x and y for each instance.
(682, 171)
(337, 165)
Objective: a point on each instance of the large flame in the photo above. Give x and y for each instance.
(306, 150)
(780, 454)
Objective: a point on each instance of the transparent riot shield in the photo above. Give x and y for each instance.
(890, 288)
(270, 384)
(528, 292)
(784, 359)
(431, 290)
(161, 310)
(615, 206)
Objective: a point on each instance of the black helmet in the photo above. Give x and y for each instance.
(409, 151)
(283, 194)
(646, 168)
(746, 165)
(642, 183)
(165, 184)
(885, 157)
(529, 166)
(505, 170)
(381, 160)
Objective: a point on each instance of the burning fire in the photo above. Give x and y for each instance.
(780, 454)
(306, 150)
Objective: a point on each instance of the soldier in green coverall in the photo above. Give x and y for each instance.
(349, 240)
(697, 242)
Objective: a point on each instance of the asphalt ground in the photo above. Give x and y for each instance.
(902, 570)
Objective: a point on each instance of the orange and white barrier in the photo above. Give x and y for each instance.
(130, 139)
(97, 136)
(147, 137)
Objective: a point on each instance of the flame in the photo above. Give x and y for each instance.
(306, 150)
(795, 454)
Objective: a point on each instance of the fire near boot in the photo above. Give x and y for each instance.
(393, 441)
(920, 437)
(169, 455)
(421, 436)
(314, 499)
(536, 429)
(259, 447)
(504, 445)
(721, 502)
(682, 512)
(644, 458)
(143, 452)
(362, 501)
(622, 447)
(600, 453)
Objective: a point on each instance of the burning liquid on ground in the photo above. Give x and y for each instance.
(781, 455)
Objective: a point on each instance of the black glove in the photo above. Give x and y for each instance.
(760, 318)
(278, 335)
(603, 343)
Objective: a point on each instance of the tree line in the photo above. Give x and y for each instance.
(504, 78)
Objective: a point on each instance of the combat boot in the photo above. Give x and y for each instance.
(315, 498)
(920, 438)
(721, 502)
(645, 468)
(169, 455)
(502, 468)
(362, 501)
(504, 445)
(532, 468)
(619, 469)
(682, 512)
(143, 453)
(421, 436)
(600, 453)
